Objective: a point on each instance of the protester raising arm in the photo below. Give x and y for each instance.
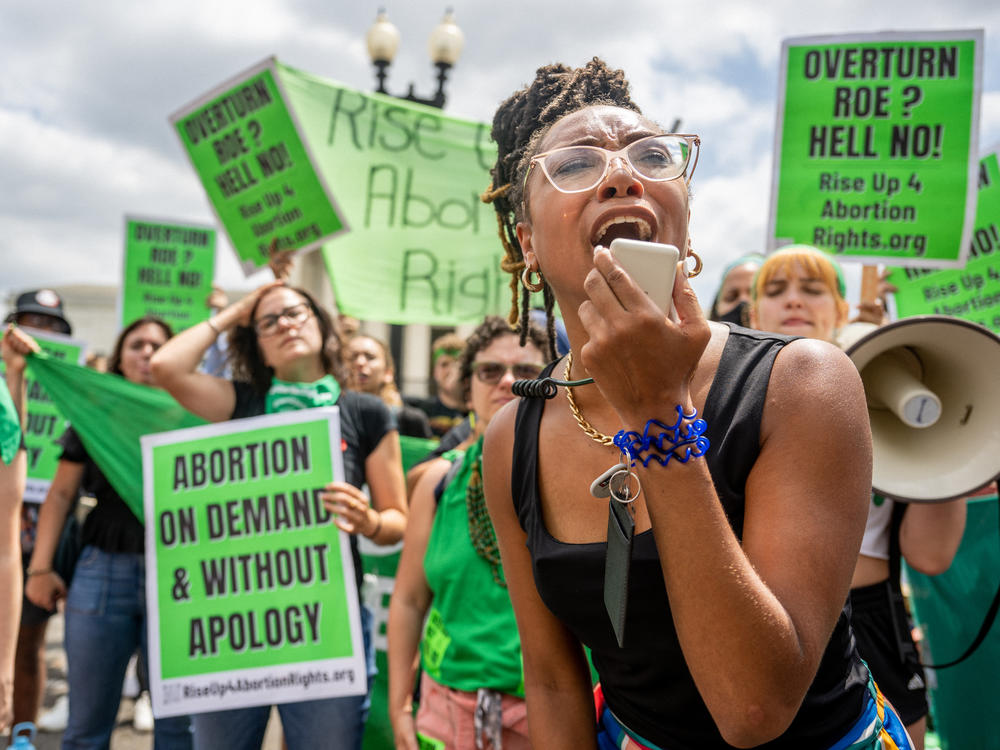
(175, 367)
(285, 355)
(16, 344)
(280, 338)
(44, 587)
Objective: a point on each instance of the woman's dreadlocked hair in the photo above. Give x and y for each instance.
(519, 125)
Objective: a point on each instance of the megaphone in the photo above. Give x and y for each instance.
(933, 389)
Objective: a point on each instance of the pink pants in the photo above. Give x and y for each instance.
(448, 715)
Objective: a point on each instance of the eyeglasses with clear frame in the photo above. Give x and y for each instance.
(492, 373)
(294, 316)
(655, 158)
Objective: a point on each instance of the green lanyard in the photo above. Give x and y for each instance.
(284, 396)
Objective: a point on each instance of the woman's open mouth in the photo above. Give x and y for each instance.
(621, 226)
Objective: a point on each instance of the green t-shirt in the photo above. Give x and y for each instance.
(470, 640)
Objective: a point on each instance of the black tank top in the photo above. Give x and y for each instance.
(647, 684)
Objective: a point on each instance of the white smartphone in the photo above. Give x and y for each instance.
(652, 266)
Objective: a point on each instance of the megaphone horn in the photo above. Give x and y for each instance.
(933, 388)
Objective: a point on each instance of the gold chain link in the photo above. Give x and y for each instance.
(588, 429)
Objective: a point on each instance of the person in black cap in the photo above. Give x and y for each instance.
(41, 309)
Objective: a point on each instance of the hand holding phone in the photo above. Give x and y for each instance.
(652, 266)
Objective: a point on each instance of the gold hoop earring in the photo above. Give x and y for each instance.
(528, 284)
(697, 263)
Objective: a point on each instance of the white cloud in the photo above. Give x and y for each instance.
(87, 89)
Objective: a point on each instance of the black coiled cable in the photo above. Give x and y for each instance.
(544, 387)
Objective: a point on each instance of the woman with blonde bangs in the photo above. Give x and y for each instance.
(800, 291)
(709, 580)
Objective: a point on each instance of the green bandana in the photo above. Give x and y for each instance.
(283, 396)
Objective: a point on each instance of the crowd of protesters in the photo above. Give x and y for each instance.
(734, 629)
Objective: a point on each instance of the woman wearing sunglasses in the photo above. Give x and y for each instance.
(450, 566)
(693, 517)
(285, 355)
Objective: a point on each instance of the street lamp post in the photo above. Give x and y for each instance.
(445, 47)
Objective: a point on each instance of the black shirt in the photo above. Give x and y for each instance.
(111, 526)
(441, 417)
(412, 422)
(647, 684)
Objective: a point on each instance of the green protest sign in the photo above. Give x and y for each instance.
(875, 146)
(167, 271)
(423, 247)
(251, 588)
(972, 293)
(244, 143)
(45, 424)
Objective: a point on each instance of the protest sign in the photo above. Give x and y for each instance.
(251, 589)
(45, 424)
(423, 247)
(972, 293)
(875, 146)
(244, 143)
(167, 272)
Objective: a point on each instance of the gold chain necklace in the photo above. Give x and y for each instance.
(588, 429)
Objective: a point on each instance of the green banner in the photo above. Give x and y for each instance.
(167, 271)
(875, 146)
(972, 293)
(251, 588)
(423, 247)
(257, 172)
(45, 424)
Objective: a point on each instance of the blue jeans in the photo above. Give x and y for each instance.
(330, 722)
(105, 623)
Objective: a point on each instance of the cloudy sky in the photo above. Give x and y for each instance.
(88, 86)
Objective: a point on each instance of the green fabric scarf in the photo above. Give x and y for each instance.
(285, 396)
(110, 414)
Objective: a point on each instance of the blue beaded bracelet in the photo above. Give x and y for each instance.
(682, 441)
